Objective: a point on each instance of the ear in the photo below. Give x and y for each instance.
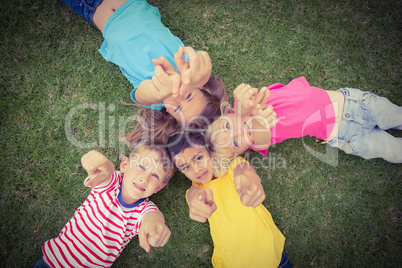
(160, 187)
(123, 164)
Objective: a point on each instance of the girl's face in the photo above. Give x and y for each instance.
(196, 164)
(186, 106)
(143, 176)
(233, 133)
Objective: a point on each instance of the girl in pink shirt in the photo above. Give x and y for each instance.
(349, 119)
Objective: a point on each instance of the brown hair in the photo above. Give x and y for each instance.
(160, 125)
(216, 87)
(154, 125)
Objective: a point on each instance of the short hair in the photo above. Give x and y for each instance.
(180, 142)
(185, 139)
(164, 159)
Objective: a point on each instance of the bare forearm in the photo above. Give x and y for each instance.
(145, 93)
(154, 217)
(261, 136)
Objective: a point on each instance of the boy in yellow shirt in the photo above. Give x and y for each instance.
(242, 229)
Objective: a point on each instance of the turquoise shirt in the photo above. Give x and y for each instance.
(133, 36)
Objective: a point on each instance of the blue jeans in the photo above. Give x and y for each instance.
(365, 118)
(85, 8)
(285, 263)
(41, 264)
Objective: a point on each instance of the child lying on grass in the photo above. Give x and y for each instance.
(116, 210)
(352, 120)
(242, 229)
(149, 55)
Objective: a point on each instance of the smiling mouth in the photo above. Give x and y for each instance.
(202, 176)
(138, 187)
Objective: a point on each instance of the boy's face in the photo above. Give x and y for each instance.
(185, 106)
(196, 164)
(233, 133)
(143, 176)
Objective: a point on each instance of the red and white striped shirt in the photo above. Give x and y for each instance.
(99, 230)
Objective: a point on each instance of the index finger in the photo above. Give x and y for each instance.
(238, 183)
(143, 239)
(266, 96)
(179, 59)
(206, 59)
(165, 64)
(208, 195)
(190, 52)
(161, 78)
(164, 237)
(250, 195)
(260, 97)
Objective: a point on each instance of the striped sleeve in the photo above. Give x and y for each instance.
(149, 206)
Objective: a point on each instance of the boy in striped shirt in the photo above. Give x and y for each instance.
(116, 210)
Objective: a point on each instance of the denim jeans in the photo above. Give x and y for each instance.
(285, 263)
(41, 264)
(365, 118)
(85, 8)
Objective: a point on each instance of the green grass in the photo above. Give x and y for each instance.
(343, 216)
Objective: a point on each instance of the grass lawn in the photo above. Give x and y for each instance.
(60, 99)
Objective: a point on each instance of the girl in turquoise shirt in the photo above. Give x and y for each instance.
(166, 76)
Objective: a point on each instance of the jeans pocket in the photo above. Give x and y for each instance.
(367, 100)
(346, 146)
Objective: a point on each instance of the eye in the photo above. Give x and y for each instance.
(184, 169)
(228, 126)
(156, 176)
(236, 143)
(199, 158)
(141, 167)
(178, 108)
(188, 96)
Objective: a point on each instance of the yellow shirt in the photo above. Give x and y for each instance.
(243, 236)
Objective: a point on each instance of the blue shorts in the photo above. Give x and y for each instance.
(85, 8)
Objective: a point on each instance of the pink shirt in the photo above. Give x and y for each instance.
(302, 110)
(99, 230)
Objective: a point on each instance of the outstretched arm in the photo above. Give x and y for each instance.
(200, 203)
(248, 185)
(164, 83)
(98, 167)
(153, 231)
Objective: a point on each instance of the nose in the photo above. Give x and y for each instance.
(197, 168)
(144, 177)
(240, 129)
